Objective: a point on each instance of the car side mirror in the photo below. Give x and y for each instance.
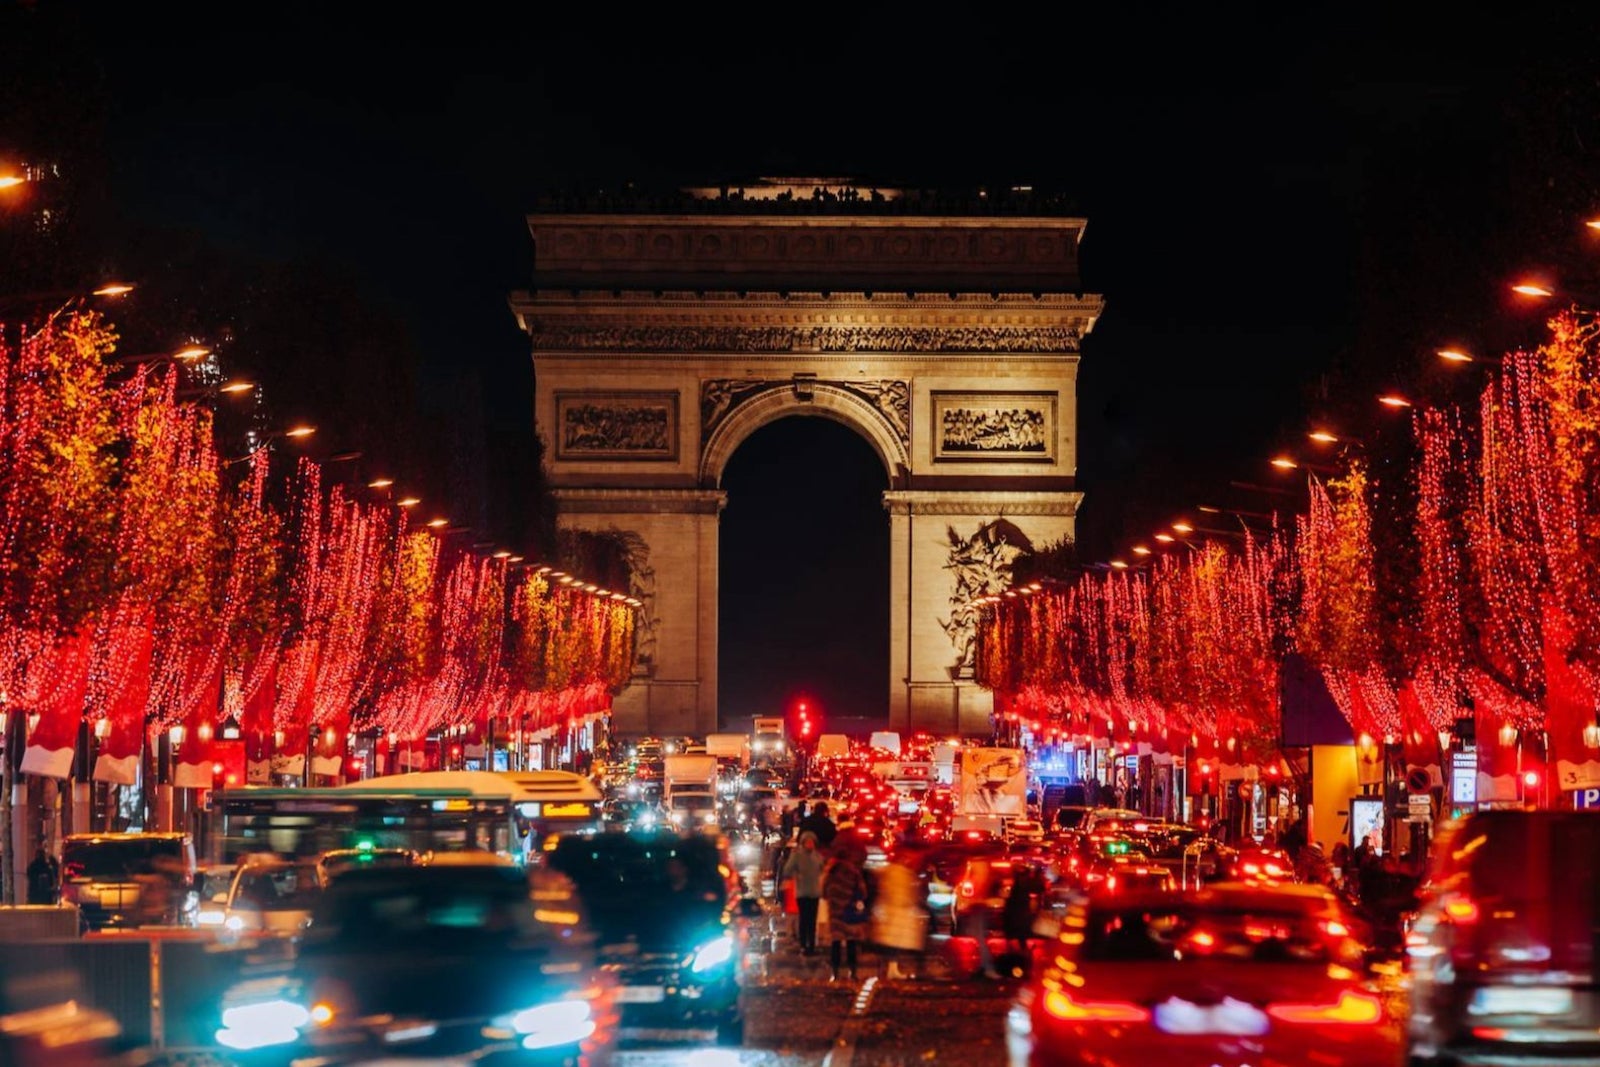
(750, 908)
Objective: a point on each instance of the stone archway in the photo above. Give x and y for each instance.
(878, 411)
(949, 343)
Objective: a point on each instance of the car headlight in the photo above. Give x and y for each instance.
(234, 923)
(560, 1022)
(258, 1025)
(210, 918)
(714, 953)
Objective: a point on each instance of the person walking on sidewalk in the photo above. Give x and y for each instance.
(844, 887)
(804, 867)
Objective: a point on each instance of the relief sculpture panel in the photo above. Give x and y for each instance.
(986, 427)
(616, 425)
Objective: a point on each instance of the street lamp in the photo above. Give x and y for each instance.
(1393, 400)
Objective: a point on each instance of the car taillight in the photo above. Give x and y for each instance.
(1335, 928)
(1062, 1006)
(1351, 1009)
(967, 889)
(1461, 909)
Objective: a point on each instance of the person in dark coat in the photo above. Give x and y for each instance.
(44, 878)
(819, 823)
(1021, 906)
(844, 887)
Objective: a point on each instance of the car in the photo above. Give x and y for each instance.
(270, 897)
(441, 964)
(1230, 974)
(130, 879)
(1024, 830)
(1501, 952)
(681, 961)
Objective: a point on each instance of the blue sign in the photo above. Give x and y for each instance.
(1586, 798)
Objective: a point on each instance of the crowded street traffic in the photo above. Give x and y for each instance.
(844, 900)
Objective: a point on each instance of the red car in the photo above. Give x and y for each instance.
(1231, 975)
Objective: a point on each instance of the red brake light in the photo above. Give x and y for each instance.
(1351, 1009)
(1461, 909)
(1062, 1006)
(1335, 928)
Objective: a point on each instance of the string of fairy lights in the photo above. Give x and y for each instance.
(1498, 624)
(162, 592)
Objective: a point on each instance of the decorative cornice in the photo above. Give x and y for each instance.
(846, 339)
(988, 504)
(640, 501)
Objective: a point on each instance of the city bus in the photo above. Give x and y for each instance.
(506, 812)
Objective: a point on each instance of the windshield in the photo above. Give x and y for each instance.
(1181, 932)
(680, 877)
(121, 859)
(277, 888)
(405, 909)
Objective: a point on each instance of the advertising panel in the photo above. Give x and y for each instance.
(993, 781)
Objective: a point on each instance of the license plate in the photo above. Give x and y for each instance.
(1516, 1000)
(1233, 1017)
(640, 994)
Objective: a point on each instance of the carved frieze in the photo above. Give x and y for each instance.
(720, 396)
(690, 338)
(611, 425)
(988, 427)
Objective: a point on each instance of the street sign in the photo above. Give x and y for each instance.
(1421, 808)
(1586, 798)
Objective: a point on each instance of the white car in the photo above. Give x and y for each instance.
(268, 898)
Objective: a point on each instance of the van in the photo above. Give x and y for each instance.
(1502, 948)
(131, 879)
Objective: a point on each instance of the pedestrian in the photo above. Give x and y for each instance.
(44, 878)
(1019, 910)
(844, 887)
(804, 868)
(819, 823)
(899, 912)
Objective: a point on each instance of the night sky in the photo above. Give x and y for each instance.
(1286, 214)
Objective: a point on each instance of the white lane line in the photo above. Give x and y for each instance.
(843, 1051)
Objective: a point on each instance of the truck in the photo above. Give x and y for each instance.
(734, 748)
(769, 739)
(689, 790)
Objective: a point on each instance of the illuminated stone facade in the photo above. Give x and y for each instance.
(949, 341)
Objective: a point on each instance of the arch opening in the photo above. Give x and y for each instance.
(803, 584)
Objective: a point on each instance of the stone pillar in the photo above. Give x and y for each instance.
(672, 535)
(946, 549)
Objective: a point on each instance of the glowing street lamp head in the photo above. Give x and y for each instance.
(1182, 527)
(409, 502)
(1284, 463)
(114, 289)
(1390, 400)
(300, 431)
(190, 353)
(236, 387)
(11, 181)
(1165, 538)
(437, 524)
(1534, 289)
(1323, 437)
(1141, 550)
(1454, 355)
(380, 483)
(1120, 564)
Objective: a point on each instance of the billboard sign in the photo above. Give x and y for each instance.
(993, 781)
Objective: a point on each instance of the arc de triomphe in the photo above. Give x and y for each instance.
(948, 340)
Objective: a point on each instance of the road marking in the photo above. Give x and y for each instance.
(844, 1043)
